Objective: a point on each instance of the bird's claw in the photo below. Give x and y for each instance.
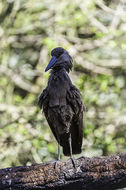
(73, 162)
(56, 163)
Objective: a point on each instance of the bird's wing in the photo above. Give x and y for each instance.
(43, 98)
(59, 118)
(43, 102)
(75, 101)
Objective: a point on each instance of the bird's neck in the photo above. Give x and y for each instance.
(60, 75)
(57, 70)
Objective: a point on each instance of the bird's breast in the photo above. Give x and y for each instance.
(57, 92)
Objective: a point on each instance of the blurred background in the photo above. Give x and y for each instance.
(94, 33)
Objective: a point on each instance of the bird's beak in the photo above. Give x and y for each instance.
(51, 63)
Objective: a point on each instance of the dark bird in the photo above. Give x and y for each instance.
(62, 104)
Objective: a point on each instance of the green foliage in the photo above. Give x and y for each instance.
(94, 34)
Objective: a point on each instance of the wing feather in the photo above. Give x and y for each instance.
(75, 101)
(43, 102)
(65, 119)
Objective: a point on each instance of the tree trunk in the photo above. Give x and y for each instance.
(105, 173)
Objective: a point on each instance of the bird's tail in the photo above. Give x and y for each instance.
(76, 147)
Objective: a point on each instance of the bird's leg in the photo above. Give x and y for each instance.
(71, 156)
(58, 151)
(58, 160)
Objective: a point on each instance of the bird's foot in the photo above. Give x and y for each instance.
(56, 163)
(73, 162)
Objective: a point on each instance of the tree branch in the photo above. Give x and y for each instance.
(18, 80)
(90, 173)
(88, 67)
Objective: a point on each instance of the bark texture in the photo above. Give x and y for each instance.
(104, 173)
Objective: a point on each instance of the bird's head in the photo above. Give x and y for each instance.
(60, 59)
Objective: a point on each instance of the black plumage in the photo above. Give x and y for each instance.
(62, 104)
